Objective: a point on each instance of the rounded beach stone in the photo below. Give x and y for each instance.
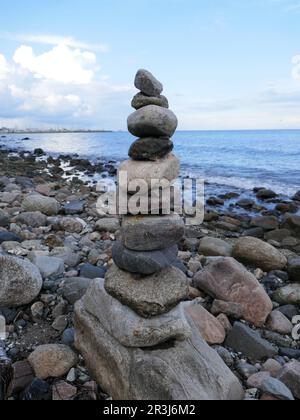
(140, 100)
(20, 282)
(147, 83)
(151, 148)
(149, 296)
(151, 121)
(37, 202)
(147, 263)
(151, 233)
(52, 360)
(258, 253)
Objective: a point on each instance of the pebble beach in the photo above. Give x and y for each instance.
(238, 274)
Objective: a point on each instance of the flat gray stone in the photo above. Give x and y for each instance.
(144, 262)
(151, 233)
(277, 389)
(147, 83)
(215, 247)
(148, 296)
(250, 343)
(185, 370)
(151, 148)
(167, 168)
(33, 219)
(128, 327)
(294, 269)
(140, 100)
(287, 295)
(152, 121)
(48, 266)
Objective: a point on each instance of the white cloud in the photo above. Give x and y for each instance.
(53, 40)
(63, 86)
(61, 64)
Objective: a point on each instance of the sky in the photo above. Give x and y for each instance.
(225, 64)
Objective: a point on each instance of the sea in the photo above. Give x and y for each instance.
(233, 159)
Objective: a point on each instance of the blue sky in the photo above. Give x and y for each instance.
(225, 64)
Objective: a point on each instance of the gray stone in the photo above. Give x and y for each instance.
(45, 205)
(71, 224)
(258, 253)
(290, 376)
(150, 148)
(288, 295)
(265, 194)
(214, 247)
(152, 121)
(279, 323)
(277, 389)
(290, 311)
(108, 224)
(6, 236)
(48, 266)
(151, 233)
(250, 343)
(278, 235)
(292, 222)
(68, 337)
(277, 339)
(265, 222)
(128, 328)
(90, 271)
(140, 100)
(167, 168)
(188, 370)
(149, 296)
(4, 219)
(74, 207)
(20, 282)
(227, 280)
(294, 269)
(32, 219)
(147, 83)
(144, 262)
(74, 288)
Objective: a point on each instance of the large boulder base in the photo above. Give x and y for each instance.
(188, 370)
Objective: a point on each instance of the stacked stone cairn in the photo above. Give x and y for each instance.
(133, 329)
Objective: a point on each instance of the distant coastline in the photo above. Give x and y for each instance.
(4, 131)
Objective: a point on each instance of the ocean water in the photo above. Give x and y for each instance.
(237, 159)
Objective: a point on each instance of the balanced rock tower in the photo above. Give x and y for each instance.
(133, 329)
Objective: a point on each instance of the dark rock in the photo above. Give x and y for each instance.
(287, 208)
(38, 390)
(140, 100)
(290, 353)
(290, 376)
(73, 289)
(74, 207)
(250, 343)
(4, 219)
(297, 196)
(246, 370)
(143, 262)
(254, 232)
(22, 377)
(179, 264)
(6, 236)
(293, 268)
(245, 203)
(292, 222)
(68, 337)
(290, 311)
(265, 222)
(215, 201)
(150, 148)
(265, 194)
(90, 271)
(277, 339)
(278, 235)
(225, 355)
(147, 83)
(38, 152)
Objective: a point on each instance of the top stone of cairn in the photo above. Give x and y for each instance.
(147, 83)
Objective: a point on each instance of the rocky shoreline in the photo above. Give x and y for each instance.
(245, 313)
